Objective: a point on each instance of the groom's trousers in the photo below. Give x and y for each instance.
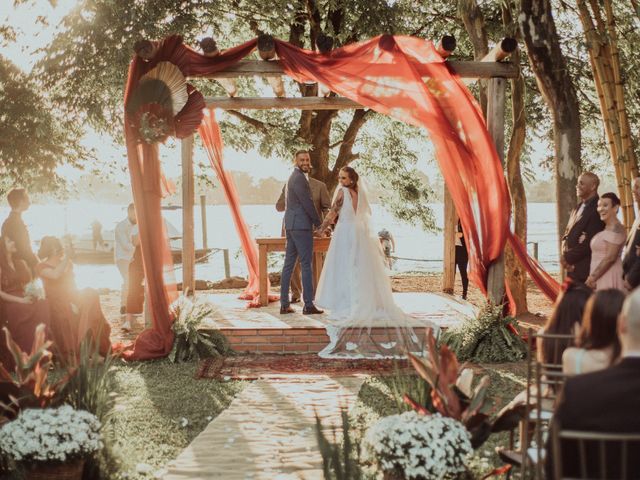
(299, 245)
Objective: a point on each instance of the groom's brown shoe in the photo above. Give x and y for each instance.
(312, 310)
(286, 310)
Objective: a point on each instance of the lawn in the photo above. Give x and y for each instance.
(160, 408)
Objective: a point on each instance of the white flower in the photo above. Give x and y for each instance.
(34, 291)
(57, 434)
(421, 447)
(464, 381)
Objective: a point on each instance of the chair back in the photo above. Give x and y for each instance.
(595, 455)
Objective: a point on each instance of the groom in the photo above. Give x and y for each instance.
(300, 218)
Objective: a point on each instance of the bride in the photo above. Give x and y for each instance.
(354, 286)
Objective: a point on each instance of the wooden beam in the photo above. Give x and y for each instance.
(449, 256)
(188, 247)
(446, 45)
(259, 68)
(501, 50)
(300, 103)
(496, 93)
(277, 85)
(266, 46)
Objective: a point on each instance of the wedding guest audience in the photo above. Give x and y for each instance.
(75, 314)
(597, 340)
(604, 401)
(583, 225)
(123, 252)
(15, 228)
(462, 259)
(567, 313)
(322, 202)
(606, 246)
(20, 310)
(135, 293)
(631, 260)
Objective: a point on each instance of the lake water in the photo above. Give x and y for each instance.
(411, 242)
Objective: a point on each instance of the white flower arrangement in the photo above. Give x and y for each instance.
(34, 291)
(51, 435)
(418, 447)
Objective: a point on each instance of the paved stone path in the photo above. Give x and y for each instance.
(268, 431)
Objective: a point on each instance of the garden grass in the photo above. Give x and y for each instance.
(160, 408)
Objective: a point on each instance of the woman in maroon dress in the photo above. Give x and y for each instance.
(75, 314)
(21, 314)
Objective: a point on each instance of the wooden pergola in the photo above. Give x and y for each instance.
(493, 68)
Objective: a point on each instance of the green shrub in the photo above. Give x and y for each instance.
(488, 338)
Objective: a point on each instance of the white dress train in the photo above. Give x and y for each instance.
(364, 321)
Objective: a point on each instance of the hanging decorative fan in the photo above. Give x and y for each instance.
(159, 97)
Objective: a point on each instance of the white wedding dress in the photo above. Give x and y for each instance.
(354, 286)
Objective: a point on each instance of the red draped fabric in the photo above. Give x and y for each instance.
(403, 77)
(212, 139)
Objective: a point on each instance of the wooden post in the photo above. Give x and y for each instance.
(203, 219)
(188, 247)
(448, 259)
(227, 265)
(496, 89)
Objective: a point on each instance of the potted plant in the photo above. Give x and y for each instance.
(410, 446)
(51, 443)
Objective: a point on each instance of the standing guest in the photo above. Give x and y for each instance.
(462, 259)
(123, 252)
(96, 235)
(14, 227)
(20, 312)
(135, 291)
(604, 401)
(583, 225)
(388, 244)
(75, 314)
(567, 313)
(322, 204)
(631, 259)
(606, 246)
(597, 340)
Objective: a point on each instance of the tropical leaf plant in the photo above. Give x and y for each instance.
(29, 385)
(489, 338)
(190, 341)
(451, 390)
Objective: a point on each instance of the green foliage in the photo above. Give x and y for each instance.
(488, 338)
(35, 138)
(190, 341)
(340, 461)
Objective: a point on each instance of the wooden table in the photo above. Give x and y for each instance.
(279, 244)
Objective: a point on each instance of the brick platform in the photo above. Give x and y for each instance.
(265, 330)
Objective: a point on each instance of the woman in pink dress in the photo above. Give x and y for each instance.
(606, 247)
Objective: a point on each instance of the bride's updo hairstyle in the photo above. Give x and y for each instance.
(49, 246)
(353, 176)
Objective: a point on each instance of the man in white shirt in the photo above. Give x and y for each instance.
(123, 252)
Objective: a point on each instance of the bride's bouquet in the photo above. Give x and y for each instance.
(33, 291)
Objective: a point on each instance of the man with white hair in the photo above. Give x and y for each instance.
(605, 401)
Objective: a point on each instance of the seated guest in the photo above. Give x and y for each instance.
(15, 228)
(567, 313)
(604, 401)
(606, 247)
(597, 341)
(20, 313)
(75, 314)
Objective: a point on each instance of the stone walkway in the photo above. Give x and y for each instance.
(268, 431)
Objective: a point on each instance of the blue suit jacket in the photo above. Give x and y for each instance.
(300, 213)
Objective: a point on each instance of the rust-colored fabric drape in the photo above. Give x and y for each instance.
(403, 77)
(209, 131)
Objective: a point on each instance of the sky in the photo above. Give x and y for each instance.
(32, 36)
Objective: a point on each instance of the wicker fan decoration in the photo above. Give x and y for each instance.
(160, 96)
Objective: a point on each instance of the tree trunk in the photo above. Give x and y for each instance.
(539, 33)
(601, 40)
(473, 20)
(516, 274)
